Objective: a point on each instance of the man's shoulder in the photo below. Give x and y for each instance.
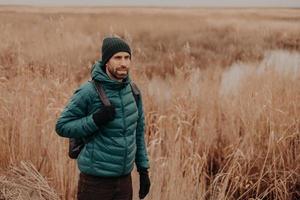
(88, 85)
(86, 88)
(136, 91)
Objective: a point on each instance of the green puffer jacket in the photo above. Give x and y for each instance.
(114, 147)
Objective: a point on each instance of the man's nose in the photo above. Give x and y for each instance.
(124, 62)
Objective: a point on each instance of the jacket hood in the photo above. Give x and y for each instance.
(99, 75)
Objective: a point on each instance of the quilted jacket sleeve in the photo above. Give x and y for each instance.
(141, 158)
(74, 121)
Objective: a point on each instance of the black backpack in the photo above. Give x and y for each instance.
(77, 144)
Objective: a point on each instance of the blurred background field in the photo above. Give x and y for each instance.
(221, 89)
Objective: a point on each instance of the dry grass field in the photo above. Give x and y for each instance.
(221, 90)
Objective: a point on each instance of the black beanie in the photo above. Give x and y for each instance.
(111, 46)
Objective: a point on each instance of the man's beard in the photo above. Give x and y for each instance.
(116, 75)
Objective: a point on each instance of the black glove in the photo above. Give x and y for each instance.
(104, 115)
(144, 183)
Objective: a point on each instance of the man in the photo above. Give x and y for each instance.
(117, 131)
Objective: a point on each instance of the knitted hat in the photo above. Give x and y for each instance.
(111, 46)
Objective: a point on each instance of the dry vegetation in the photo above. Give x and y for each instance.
(221, 89)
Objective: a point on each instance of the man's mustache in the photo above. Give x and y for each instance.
(123, 68)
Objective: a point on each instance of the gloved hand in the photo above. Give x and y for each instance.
(144, 183)
(104, 115)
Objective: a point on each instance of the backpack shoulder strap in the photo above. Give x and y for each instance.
(101, 93)
(135, 90)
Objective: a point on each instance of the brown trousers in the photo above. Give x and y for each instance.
(102, 188)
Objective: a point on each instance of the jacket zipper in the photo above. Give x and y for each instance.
(124, 133)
